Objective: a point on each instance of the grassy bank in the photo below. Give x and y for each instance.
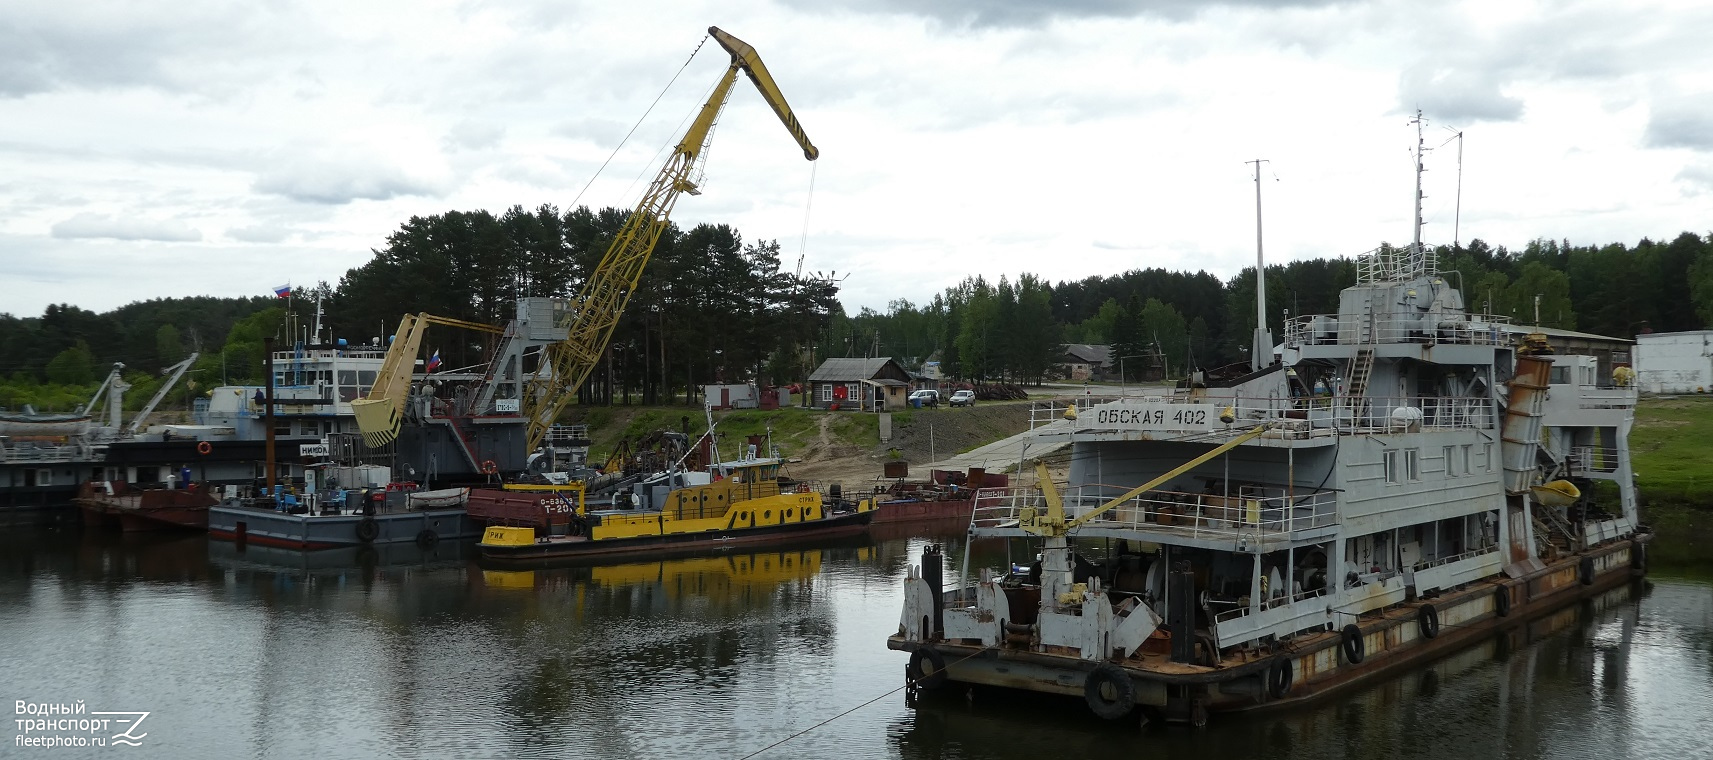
(1671, 450)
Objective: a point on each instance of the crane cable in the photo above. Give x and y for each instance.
(639, 121)
(808, 203)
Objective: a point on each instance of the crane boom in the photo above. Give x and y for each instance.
(379, 414)
(595, 312)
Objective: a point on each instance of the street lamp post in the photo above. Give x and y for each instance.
(1122, 392)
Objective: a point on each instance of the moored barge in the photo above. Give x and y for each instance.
(1402, 480)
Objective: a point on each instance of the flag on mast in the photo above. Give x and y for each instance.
(434, 361)
(282, 291)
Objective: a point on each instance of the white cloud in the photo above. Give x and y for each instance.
(336, 181)
(474, 135)
(968, 137)
(89, 225)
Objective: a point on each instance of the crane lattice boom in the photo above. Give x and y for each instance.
(595, 312)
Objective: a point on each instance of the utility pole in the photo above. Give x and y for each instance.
(1261, 351)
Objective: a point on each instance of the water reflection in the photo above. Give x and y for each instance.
(406, 653)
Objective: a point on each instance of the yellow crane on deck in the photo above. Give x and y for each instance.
(595, 312)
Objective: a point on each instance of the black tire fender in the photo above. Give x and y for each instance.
(927, 668)
(1123, 691)
(368, 530)
(1354, 649)
(1427, 620)
(1639, 557)
(1585, 571)
(1279, 678)
(1502, 601)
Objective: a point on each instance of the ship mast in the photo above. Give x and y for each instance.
(1261, 349)
(1416, 247)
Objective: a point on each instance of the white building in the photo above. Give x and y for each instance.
(1675, 362)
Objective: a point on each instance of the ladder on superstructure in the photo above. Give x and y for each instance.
(1361, 368)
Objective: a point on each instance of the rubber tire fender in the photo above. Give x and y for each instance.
(1427, 621)
(1123, 690)
(1585, 571)
(1279, 678)
(1354, 649)
(1639, 557)
(1502, 601)
(923, 677)
(368, 530)
(427, 538)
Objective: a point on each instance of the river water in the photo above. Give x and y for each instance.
(779, 654)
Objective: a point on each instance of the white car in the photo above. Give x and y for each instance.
(963, 398)
(924, 397)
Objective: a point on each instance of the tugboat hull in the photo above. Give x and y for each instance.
(494, 548)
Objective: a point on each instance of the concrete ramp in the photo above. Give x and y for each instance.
(996, 456)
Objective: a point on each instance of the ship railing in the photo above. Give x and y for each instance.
(1605, 397)
(1290, 416)
(1253, 514)
(567, 435)
(1281, 600)
(1431, 563)
(1593, 460)
(1433, 327)
(42, 454)
(1279, 616)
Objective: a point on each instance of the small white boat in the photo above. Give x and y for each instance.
(441, 499)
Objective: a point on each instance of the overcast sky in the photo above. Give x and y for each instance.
(206, 147)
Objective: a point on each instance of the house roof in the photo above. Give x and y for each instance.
(842, 368)
(1087, 353)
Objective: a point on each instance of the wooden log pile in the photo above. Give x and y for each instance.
(1000, 392)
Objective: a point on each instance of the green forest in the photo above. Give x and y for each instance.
(713, 307)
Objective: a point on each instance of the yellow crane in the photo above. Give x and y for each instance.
(595, 312)
(379, 414)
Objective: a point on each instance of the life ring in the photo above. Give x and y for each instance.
(368, 530)
(427, 538)
(489, 468)
(1109, 691)
(927, 668)
(1585, 571)
(204, 448)
(1352, 644)
(1428, 620)
(1279, 678)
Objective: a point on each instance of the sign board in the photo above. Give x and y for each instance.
(505, 405)
(1154, 416)
(312, 449)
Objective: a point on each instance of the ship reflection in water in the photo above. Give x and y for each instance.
(400, 652)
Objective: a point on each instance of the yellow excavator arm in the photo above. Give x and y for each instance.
(379, 414)
(595, 311)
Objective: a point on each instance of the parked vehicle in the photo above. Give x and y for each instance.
(963, 398)
(924, 397)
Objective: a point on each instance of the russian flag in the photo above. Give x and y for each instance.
(434, 361)
(282, 291)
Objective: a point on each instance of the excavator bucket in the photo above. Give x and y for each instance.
(378, 419)
(379, 415)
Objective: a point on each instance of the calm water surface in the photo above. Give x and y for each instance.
(775, 654)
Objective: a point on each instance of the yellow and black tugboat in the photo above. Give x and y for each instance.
(746, 502)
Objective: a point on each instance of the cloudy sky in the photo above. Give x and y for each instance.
(204, 147)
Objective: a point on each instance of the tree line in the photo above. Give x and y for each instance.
(714, 307)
